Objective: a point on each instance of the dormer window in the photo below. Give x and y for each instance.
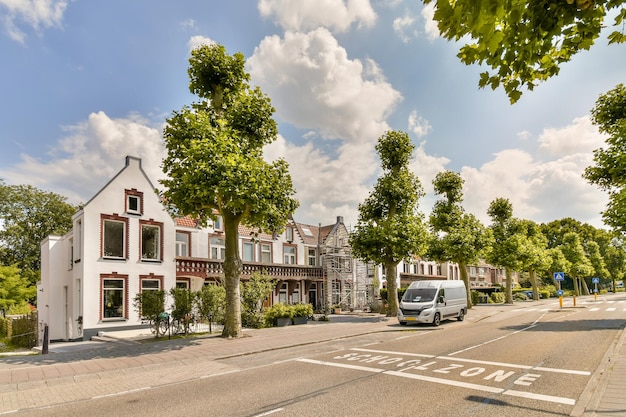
(289, 234)
(134, 201)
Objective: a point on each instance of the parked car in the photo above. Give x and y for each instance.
(529, 294)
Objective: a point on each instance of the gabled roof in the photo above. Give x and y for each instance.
(186, 221)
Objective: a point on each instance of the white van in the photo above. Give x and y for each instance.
(431, 301)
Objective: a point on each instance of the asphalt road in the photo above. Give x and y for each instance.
(532, 359)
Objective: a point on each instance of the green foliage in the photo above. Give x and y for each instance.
(498, 297)
(210, 302)
(21, 332)
(302, 310)
(389, 226)
(149, 304)
(29, 215)
(278, 311)
(14, 289)
(524, 42)
(253, 293)
(182, 305)
(215, 164)
(609, 169)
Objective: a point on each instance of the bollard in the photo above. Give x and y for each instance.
(574, 301)
(44, 348)
(561, 301)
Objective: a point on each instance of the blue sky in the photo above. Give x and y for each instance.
(85, 83)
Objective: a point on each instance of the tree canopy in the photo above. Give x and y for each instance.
(389, 228)
(456, 236)
(27, 216)
(215, 164)
(609, 171)
(525, 42)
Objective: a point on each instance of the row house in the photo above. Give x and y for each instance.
(123, 242)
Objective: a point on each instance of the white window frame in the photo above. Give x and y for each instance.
(247, 252)
(107, 306)
(312, 256)
(182, 245)
(289, 254)
(105, 236)
(155, 249)
(266, 252)
(217, 246)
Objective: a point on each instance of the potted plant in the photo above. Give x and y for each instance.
(301, 313)
(337, 308)
(279, 315)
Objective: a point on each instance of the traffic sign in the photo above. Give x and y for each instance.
(559, 293)
(595, 280)
(559, 276)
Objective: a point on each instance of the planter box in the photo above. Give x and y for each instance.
(299, 320)
(282, 321)
(337, 310)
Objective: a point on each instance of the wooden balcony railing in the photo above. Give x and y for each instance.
(211, 268)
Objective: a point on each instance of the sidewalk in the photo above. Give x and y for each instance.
(86, 370)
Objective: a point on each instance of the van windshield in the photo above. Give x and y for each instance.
(419, 295)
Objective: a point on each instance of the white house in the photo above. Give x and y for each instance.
(121, 243)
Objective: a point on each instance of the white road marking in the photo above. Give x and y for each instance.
(594, 309)
(611, 309)
(477, 387)
(267, 413)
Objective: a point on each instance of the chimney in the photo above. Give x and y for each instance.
(339, 219)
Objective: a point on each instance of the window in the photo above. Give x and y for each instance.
(248, 252)
(182, 244)
(218, 248)
(134, 201)
(290, 254)
(312, 257)
(150, 284)
(266, 253)
(71, 254)
(282, 294)
(78, 233)
(182, 284)
(218, 224)
(113, 298)
(289, 234)
(114, 239)
(150, 242)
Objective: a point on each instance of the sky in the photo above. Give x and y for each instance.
(85, 83)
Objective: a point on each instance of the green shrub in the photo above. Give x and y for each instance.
(23, 331)
(497, 297)
(302, 310)
(278, 311)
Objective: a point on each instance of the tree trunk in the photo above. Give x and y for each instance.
(392, 290)
(533, 280)
(576, 286)
(232, 272)
(585, 287)
(465, 278)
(509, 286)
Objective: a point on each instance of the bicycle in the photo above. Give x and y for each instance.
(162, 323)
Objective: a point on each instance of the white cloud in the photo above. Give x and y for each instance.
(341, 180)
(90, 155)
(303, 15)
(38, 14)
(403, 27)
(580, 136)
(197, 41)
(419, 125)
(314, 85)
(430, 25)
(541, 190)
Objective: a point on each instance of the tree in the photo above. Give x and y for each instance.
(609, 171)
(215, 164)
(532, 251)
(14, 289)
(27, 216)
(503, 251)
(574, 252)
(524, 42)
(389, 227)
(456, 236)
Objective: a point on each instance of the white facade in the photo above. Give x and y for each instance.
(121, 240)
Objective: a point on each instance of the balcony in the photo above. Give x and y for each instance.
(211, 268)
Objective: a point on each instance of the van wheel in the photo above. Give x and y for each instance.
(437, 319)
(461, 315)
